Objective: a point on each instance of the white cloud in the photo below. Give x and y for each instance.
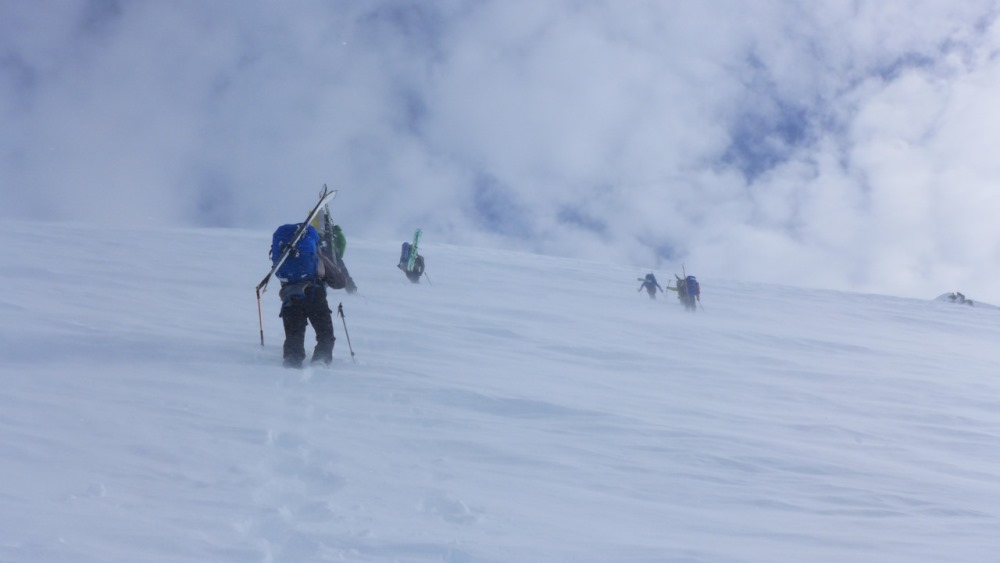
(845, 145)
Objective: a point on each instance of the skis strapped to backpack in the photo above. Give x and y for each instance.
(324, 224)
(325, 197)
(413, 251)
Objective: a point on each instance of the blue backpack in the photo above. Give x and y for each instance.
(302, 261)
(404, 255)
(691, 284)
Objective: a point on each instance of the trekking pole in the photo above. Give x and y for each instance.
(260, 319)
(340, 311)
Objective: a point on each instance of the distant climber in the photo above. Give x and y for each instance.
(410, 261)
(650, 284)
(688, 291)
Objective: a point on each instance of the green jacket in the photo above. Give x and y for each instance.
(339, 241)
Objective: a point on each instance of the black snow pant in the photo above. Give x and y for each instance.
(311, 308)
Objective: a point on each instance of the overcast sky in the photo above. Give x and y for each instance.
(848, 145)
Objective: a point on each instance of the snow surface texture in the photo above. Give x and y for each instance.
(516, 408)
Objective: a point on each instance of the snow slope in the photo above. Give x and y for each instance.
(516, 408)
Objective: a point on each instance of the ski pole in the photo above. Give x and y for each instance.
(260, 319)
(340, 311)
(428, 278)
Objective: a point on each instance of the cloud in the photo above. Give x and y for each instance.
(843, 145)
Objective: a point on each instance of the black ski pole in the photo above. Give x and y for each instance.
(428, 278)
(260, 319)
(340, 311)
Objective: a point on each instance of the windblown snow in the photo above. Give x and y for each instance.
(511, 408)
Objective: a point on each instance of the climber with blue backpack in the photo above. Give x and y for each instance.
(304, 276)
(410, 260)
(688, 291)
